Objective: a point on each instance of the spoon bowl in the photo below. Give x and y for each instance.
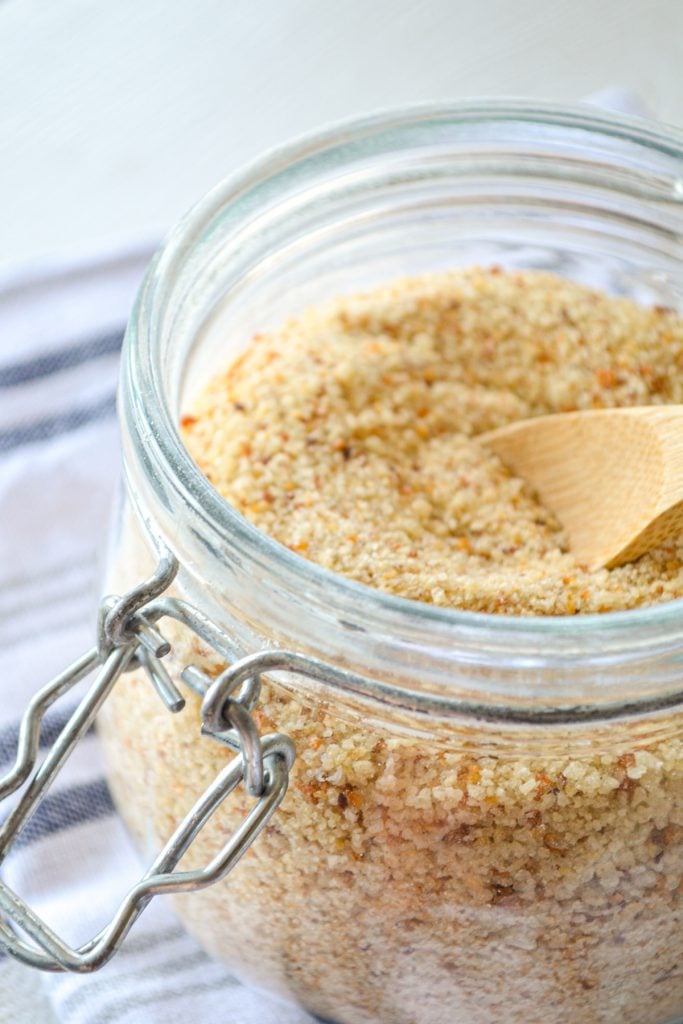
(613, 477)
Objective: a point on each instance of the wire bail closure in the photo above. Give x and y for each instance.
(128, 638)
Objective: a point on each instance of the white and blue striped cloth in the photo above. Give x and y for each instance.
(60, 335)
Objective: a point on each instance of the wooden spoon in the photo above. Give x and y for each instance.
(613, 477)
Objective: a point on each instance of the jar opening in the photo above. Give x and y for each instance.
(512, 178)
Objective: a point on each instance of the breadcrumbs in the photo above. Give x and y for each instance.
(415, 878)
(351, 436)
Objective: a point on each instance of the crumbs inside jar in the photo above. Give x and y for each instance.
(350, 435)
(415, 874)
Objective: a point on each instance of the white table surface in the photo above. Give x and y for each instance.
(116, 116)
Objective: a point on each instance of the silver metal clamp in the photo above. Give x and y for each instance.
(128, 638)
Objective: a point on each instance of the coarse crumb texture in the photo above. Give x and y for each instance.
(406, 880)
(418, 874)
(350, 435)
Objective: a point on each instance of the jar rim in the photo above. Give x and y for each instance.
(142, 401)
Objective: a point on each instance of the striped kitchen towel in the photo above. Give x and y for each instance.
(60, 335)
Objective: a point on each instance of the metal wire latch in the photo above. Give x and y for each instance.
(128, 638)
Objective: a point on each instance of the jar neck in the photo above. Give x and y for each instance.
(314, 218)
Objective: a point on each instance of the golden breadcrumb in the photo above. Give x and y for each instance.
(350, 435)
(422, 871)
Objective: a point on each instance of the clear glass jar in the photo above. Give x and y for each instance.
(485, 816)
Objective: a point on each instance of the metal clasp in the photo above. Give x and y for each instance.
(128, 638)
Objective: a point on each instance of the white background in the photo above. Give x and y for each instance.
(115, 115)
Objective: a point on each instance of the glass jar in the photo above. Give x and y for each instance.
(484, 819)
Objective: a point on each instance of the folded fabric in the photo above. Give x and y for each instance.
(60, 335)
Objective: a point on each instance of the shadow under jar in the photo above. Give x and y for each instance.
(484, 821)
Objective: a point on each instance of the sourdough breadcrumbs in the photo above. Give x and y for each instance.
(409, 879)
(351, 435)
